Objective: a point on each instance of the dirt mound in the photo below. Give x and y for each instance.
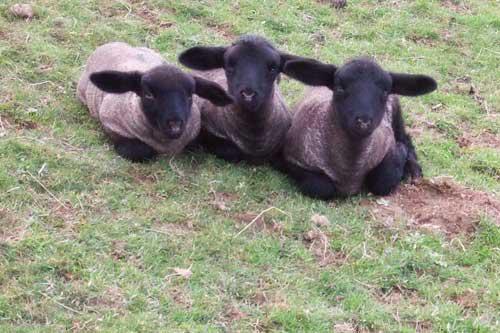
(439, 205)
(319, 244)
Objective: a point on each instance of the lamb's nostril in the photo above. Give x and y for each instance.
(175, 125)
(363, 123)
(248, 94)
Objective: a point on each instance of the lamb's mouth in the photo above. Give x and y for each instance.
(174, 129)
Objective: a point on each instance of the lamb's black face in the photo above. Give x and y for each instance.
(361, 89)
(251, 69)
(166, 94)
(167, 98)
(251, 64)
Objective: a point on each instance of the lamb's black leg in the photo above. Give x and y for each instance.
(134, 150)
(389, 173)
(221, 148)
(314, 184)
(412, 168)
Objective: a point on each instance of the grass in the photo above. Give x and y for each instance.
(89, 242)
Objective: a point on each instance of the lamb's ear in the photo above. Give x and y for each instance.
(211, 91)
(311, 72)
(203, 57)
(286, 57)
(117, 82)
(412, 85)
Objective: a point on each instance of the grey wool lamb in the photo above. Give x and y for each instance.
(253, 128)
(348, 132)
(144, 105)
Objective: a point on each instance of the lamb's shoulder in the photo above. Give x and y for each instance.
(305, 142)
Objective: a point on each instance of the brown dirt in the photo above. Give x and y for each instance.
(232, 313)
(338, 4)
(223, 200)
(422, 40)
(344, 328)
(151, 17)
(7, 122)
(438, 205)
(112, 298)
(398, 294)
(467, 300)
(263, 223)
(319, 245)
(175, 229)
(119, 249)
(11, 230)
(180, 297)
(225, 30)
(484, 139)
(457, 6)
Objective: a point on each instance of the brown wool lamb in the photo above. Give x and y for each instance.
(144, 105)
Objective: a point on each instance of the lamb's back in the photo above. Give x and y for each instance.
(115, 56)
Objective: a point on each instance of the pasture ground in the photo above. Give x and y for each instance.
(92, 243)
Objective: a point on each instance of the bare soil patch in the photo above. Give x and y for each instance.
(337, 4)
(174, 229)
(319, 244)
(457, 6)
(222, 200)
(438, 205)
(484, 139)
(259, 223)
(7, 122)
(11, 230)
(467, 300)
(112, 298)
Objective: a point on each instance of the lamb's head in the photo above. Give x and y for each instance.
(165, 92)
(251, 64)
(361, 88)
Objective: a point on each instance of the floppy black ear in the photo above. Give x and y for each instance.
(286, 57)
(412, 85)
(117, 82)
(211, 91)
(311, 72)
(203, 57)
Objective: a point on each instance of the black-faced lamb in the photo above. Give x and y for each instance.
(348, 132)
(254, 126)
(145, 105)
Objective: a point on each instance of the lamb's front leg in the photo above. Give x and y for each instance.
(134, 150)
(314, 184)
(412, 168)
(221, 148)
(388, 174)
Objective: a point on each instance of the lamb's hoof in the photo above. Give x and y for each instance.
(413, 171)
(339, 3)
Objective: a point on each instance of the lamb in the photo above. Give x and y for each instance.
(144, 105)
(348, 133)
(254, 127)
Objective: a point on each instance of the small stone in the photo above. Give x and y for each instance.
(24, 11)
(320, 220)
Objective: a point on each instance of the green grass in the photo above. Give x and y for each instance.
(88, 241)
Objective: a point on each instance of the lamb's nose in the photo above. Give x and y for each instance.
(363, 123)
(175, 126)
(248, 94)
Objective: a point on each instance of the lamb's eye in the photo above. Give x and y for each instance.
(230, 67)
(273, 68)
(148, 95)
